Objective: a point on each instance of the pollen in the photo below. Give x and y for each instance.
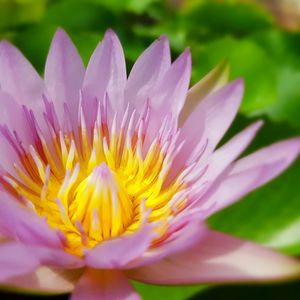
(94, 181)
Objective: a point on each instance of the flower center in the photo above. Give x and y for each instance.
(91, 182)
(101, 204)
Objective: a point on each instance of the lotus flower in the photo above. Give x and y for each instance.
(105, 178)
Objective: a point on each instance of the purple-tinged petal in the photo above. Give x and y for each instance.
(19, 78)
(64, 73)
(8, 156)
(22, 224)
(226, 154)
(104, 285)
(251, 172)
(168, 95)
(3, 239)
(205, 127)
(13, 116)
(214, 80)
(16, 259)
(45, 280)
(106, 72)
(57, 258)
(120, 251)
(181, 237)
(149, 68)
(213, 116)
(30, 258)
(171, 91)
(286, 150)
(219, 258)
(231, 188)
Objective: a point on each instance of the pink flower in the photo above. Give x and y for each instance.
(106, 178)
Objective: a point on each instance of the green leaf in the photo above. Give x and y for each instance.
(150, 292)
(80, 16)
(19, 12)
(34, 43)
(287, 291)
(283, 49)
(247, 60)
(216, 18)
(138, 6)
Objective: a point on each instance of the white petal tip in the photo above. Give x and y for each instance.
(257, 125)
(235, 87)
(5, 45)
(163, 39)
(60, 33)
(110, 34)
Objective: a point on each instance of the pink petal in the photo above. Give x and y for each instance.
(182, 237)
(19, 78)
(106, 72)
(45, 280)
(251, 172)
(170, 93)
(16, 259)
(8, 156)
(215, 79)
(21, 224)
(213, 116)
(64, 73)
(57, 258)
(286, 151)
(118, 252)
(104, 285)
(12, 115)
(219, 258)
(147, 71)
(2, 238)
(207, 124)
(226, 154)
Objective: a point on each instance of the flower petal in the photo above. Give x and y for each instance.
(16, 259)
(182, 235)
(64, 73)
(106, 72)
(251, 172)
(217, 112)
(7, 156)
(57, 258)
(286, 150)
(205, 127)
(219, 258)
(19, 223)
(45, 280)
(19, 78)
(170, 93)
(147, 71)
(118, 252)
(104, 285)
(215, 79)
(226, 154)
(12, 115)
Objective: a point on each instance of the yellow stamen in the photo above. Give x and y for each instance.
(92, 187)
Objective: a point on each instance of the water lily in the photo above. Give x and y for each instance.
(107, 178)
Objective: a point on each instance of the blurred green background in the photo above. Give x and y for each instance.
(261, 41)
